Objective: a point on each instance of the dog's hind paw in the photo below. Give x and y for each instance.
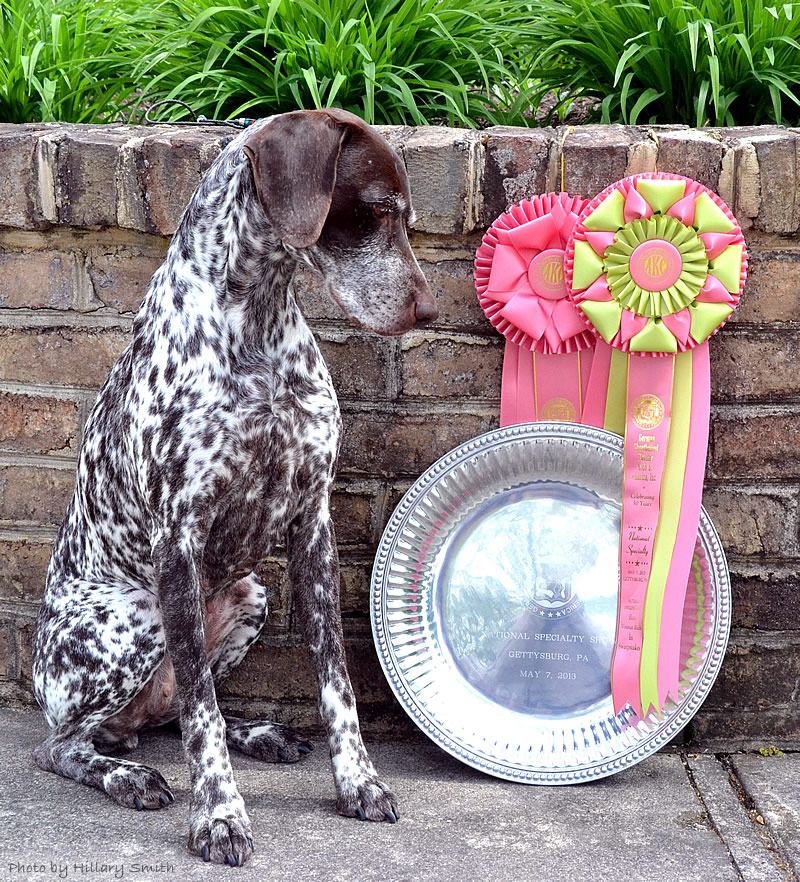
(221, 840)
(138, 787)
(269, 742)
(370, 800)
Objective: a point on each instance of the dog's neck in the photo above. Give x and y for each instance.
(226, 240)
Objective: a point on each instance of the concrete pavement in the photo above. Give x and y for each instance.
(672, 818)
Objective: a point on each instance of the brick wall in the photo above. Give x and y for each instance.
(85, 218)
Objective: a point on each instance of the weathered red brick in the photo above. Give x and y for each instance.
(766, 596)
(732, 728)
(120, 277)
(355, 582)
(20, 205)
(757, 675)
(38, 424)
(452, 367)
(695, 154)
(278, 668)
(37, 495)
(594, 157)
(25, 654)
(86, 178)
(36, 279)
(69, 356)
(23, 566)
(780, 180)
(7, 651)
(352, 516)
(443, 169)
(273, 573)
(172, 165)
(752, 444)
(772, 290)
(454, 289)
(360, 365)
(752, 522)
(517, 162)
(389, 445)
(755, 366)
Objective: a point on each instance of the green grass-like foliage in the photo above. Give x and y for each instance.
(707, 62)
(390, 61)
(59, 60)
(461, 62)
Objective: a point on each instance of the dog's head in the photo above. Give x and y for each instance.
(331, 186)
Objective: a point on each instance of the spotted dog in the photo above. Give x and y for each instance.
(215, 437)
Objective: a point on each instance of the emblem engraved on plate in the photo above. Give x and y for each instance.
(553, 599)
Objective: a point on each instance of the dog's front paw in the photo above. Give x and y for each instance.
(367, 799)
(222, 836)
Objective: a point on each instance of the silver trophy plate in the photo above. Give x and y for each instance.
(494, 605)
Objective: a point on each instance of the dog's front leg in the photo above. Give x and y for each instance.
(219, 829)
(314, 572)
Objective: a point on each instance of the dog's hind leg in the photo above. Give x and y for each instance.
(234, 620)
(96, 646)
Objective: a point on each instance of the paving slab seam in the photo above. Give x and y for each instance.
(758, 820)
(709, 818)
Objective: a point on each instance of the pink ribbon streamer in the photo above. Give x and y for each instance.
(646, 434)
(650, 377)
(519, 276)
(688, 524)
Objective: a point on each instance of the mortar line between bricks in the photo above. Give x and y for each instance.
(26, 609)
(787, 487)
(34, 460)
(754, 329)
(98, 319)
(712, 823)
(20, 534)
(773, 846)
(75, 394)
(422, 407)
(745, 638)
(743, 561)
(753, 409)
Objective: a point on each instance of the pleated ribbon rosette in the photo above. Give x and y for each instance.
(655, 266)
(519, 276)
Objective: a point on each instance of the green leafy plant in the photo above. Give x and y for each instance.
(59, 60)
(717, 62)
(390, 61)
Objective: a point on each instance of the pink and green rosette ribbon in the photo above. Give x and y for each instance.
(655, 266)
(519, 277)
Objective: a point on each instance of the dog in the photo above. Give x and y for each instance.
(215, 437)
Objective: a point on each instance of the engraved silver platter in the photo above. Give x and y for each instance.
(494, 601)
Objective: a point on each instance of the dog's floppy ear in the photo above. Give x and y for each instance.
(294, 159)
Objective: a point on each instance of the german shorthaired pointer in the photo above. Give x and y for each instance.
(215, 437)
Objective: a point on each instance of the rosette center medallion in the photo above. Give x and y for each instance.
(546, 274)
(656, 266)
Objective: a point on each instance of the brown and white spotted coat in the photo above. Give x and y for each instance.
(215, 437)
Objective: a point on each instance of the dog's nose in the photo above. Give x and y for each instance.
(425, 311)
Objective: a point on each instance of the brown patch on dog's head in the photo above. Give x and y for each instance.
(331, 184)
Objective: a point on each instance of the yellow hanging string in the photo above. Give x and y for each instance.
(566, 134)
(654, 136)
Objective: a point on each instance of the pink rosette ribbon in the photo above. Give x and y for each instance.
(519, 277)
(655, 266)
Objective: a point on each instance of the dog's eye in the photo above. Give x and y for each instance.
(381, 210)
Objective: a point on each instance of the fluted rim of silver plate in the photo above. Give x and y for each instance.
(669, 728)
